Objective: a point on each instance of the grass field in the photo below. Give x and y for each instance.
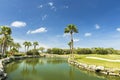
(83, 59)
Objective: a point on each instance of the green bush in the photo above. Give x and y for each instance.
(32, 52)
(18, 54)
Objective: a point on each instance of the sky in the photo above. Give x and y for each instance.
(98, 22)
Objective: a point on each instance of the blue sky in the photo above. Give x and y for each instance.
(44, 21)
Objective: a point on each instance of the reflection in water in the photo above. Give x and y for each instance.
(71, 73)
(50, 69)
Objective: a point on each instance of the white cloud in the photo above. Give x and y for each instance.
(18, 24)
(88, 34)
(118, 29)
(76, 40)
(39, 30)
(66, 7)
(97, 26)
(50, 3)
(66, 34)
(40, 6)
(44, 17)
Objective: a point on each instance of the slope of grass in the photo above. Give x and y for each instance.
(83, 59)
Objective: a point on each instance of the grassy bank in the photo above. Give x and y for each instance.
(84, 59)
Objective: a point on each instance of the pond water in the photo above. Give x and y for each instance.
(49, 69)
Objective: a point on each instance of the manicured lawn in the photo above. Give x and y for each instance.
(83, 59)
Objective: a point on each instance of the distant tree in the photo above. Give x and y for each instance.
(71, 28)
(42, 49)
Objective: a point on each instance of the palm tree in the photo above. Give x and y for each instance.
(1, 44)
(71, 28)
(9, 42)
(42, 49)
(25, 44)
(17, 46)
(28, 45)
(5, 31)
(69, 44)
(35, 44)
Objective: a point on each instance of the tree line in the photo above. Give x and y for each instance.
(102, 51)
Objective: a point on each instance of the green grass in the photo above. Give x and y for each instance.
(83, 59)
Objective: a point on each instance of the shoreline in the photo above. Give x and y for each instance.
(94, 68)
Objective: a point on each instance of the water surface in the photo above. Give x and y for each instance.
(49, 69)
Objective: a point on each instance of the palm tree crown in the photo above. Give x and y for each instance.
(35, 44)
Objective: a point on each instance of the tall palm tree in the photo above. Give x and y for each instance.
(5, 31)
(71, 28)
(25, 44)
(28, 45)
(35, 44)
(69, 44)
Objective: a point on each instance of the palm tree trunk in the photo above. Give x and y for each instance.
(4, 48)
(72, 45)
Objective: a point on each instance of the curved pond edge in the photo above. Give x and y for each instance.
(95, 68)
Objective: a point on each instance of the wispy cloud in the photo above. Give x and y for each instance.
(76, 40)
(40, 6)
(65, 35)
(51, 4)
(88, 34)
(66, 7)
(97, 26)
(39, 30)
(118, 29)
(44, 17)
(18, 24)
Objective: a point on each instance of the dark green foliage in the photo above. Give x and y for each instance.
(102, 51)
(32, 52)
(84, 51)
(18, 54)
(58, 51)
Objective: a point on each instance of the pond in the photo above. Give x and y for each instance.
(49, 69)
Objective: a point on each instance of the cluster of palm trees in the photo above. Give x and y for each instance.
(27, 45)
(6, 41)
(71, 28)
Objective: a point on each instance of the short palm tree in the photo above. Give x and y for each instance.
(35, 44)
(17, 46)
(28, 45)
(71, 28)
(5, 31)
(25, 44)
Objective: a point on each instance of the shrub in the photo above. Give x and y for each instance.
(32, 52)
